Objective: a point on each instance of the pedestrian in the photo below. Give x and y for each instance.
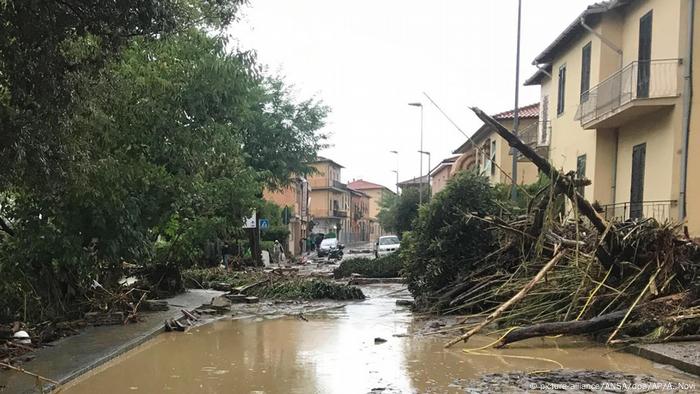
(277, 252)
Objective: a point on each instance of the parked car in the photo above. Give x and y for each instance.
(326, 246)
(387, 244)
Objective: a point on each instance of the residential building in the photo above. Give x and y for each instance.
(359, 216)
(490, 154)
(441, 174)
(611, 85)
(377, 193)
(295, 198)
(330, 200)
(415, 182)
(692, 166)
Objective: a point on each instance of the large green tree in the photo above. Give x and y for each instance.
(162, 148)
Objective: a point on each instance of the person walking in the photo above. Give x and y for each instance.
(277, 252)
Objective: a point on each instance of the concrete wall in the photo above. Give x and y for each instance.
(438, 181)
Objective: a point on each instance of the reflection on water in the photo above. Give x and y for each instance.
(331, 353)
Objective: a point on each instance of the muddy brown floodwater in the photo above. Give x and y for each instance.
(334, 352)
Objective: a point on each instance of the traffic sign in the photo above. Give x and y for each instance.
(264, 224)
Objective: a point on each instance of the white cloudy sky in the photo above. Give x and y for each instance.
(367, 59)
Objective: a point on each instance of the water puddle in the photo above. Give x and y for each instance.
(333, 352)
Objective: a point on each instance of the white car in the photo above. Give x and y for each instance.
(386, 245)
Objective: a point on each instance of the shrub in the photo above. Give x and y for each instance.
(384, 267)
(445, 242)
(308, 289)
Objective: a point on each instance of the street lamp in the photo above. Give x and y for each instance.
(420, 189)
(516, 114)
(396, 170)
(422, 152)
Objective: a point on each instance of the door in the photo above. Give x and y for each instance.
(644, 57)
(639, 153)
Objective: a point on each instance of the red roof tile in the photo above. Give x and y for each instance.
(526, 112)
(363, 185)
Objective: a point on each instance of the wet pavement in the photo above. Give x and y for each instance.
(334, 350)
(70, 357)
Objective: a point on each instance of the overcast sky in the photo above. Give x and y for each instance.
(367, 59)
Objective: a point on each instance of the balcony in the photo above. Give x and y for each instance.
(536, 136)
(637, 89)
(340, 213)
(659, 210)
(339, 185)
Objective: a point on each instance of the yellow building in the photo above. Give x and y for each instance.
(330, 200)
(376, 194)
(612, 89)
(692, 186)
(440, 175)
(490, 154)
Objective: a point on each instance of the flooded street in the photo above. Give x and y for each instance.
(334, 352)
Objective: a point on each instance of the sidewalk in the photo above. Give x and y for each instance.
(71, 357)
(682, 355)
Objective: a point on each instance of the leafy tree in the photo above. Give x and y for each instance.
(398, 212)
(162, 163)
(444, 243)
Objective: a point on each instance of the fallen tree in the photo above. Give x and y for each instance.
(618, 277)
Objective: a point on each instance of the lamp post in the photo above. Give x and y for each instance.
(516, 113)
(422, 152)
(420, 189)
(396, 170)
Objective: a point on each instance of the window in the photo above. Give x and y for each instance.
(585, 72)
(644, 55)
(561, 89)
(493, 157)
(581, 172)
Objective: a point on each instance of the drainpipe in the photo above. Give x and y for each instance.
(687, 103)
(614, 166)
(604, 40)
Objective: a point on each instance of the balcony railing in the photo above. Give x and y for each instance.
(638, 80)
(339, 185)
(340, 213)
(659, 210)
(537, 136)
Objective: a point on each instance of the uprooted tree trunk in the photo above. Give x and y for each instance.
(609, 248)
(598, 323)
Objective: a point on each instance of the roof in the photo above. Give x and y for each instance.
(414, 181)
(358, 192)
(544, 70)
(364, 185)
(445, 163)
(531, 111)
(321, 159)
(591, 16)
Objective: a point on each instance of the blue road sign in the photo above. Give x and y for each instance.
(264, 224)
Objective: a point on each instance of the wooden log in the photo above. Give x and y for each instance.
(610, 247)
(609, 320)
(567, 328)
(521, 294)
(564, 183)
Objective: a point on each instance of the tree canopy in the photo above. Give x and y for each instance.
(131, 134)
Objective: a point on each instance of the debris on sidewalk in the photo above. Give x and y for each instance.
(629, 281)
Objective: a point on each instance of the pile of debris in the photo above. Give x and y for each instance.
(628, 281)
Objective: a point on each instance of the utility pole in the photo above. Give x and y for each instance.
(420, 178)
(516, 112)
(422, 152)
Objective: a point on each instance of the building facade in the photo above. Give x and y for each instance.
(359, 216)
(612, 87)
(440, 175)
(377, 193)
(489, 154)
(330, 200)
(295, 197)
